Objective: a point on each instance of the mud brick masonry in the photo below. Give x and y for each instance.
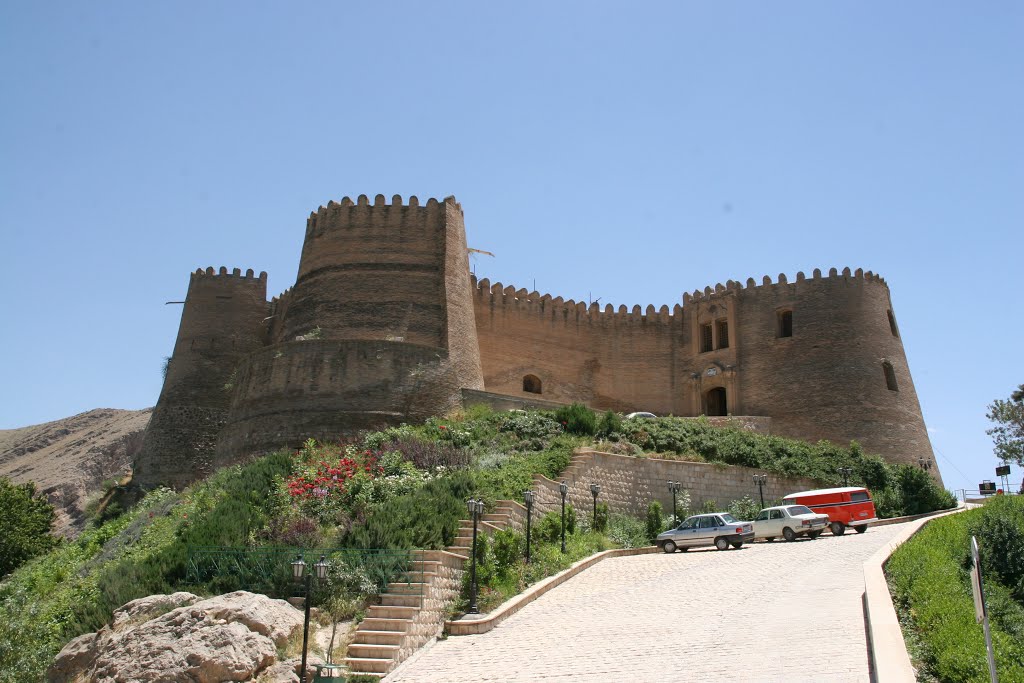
(385, 324)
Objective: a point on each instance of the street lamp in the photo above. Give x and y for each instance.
(563, 488)
(298, 573)
(528, 497)
(476, 508)
(674, 487)
(761, 480)
(846, 472)
(594, 490)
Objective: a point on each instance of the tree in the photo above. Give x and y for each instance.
(25, 522)
(1008, 434)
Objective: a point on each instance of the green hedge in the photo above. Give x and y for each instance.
(929, 579)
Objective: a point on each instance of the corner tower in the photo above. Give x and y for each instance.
(378, 329)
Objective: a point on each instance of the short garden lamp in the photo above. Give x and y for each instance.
(674, 487)
(761, 480)
(563, 488)
(845, 472)
(476, 508)
(595, 489)
(528, 497)
(299, 573)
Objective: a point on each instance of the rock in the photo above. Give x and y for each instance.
(231, 637)
(144, 609)
(281, 672)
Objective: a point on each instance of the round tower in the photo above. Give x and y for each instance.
(378, 329)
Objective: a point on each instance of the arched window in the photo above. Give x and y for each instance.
(531, 384)
(890, 376)
(892, 324)
(716, 403)
(785, 328)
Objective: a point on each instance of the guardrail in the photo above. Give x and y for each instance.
(964, 494)
(268, 570)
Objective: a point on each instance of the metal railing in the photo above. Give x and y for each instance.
(964, 494)
(268, 570)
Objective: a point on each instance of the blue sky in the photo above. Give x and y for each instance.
(627, 153)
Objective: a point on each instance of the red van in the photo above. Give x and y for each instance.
(847, 506)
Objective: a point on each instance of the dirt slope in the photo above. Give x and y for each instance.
(70, 459)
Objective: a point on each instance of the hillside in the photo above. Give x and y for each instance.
(69, 459)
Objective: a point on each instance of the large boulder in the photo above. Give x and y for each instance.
(179, 637)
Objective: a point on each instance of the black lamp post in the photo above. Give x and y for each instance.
(476, 508)
(846, 472)
(298, 570)
(563, 488)
(594, 490)
(528, 497)
(674, 487)
(761, 480)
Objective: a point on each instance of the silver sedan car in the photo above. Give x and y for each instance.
(719, 529)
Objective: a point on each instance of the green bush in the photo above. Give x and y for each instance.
(577, 419)
(928, 576)
(744, 509)
(628, 532)
(25, 521)
(601, 518)
(654, 521)
(610, 424)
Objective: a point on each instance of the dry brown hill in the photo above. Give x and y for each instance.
(69, 459)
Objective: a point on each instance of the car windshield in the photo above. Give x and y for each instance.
(729, 519)
(799, 510)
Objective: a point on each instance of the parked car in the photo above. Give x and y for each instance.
(640, 414)
(790, 522)
(719, 529)
(848, 506)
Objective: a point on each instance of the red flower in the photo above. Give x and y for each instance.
(442, 427)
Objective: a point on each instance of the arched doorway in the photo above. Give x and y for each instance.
(715, 402)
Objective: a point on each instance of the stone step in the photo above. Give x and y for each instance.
(424, 566)
(364, 665)
(462, 552)
(376, 624)
(379, 637)
(370, 651)
(410, 588)
(463, 542)
(392, 612)
(398, 600)
(495, 517)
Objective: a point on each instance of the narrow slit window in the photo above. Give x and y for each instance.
(892, 324)
(531, 384)
(890, 377)
(785, 323)
(723, 334)
(705, 338)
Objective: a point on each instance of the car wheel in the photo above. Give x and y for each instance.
(721, 543)
(669, 547)
(860, 528)
(838, 528)
(737, 545)
(788, 534)
(770, 539)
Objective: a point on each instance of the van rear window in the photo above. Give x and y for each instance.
(788, 501)
(859, 496)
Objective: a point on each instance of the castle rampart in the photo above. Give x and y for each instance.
(384, 324)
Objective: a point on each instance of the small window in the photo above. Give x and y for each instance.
(531, 384)
(705, 338)
(859, 497)
(776, 514)
(890, 376)
(723, 334)
(761, 516)
(785, 323)
(892, 324)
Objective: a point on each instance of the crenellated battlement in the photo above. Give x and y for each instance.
(348, 213)
(235, 273)
(853, 277)
(545, 305)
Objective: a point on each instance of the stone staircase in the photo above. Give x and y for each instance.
(412, 612)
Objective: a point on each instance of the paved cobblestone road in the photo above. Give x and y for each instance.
(779, 612)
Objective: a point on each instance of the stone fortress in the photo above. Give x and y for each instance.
(385, 324)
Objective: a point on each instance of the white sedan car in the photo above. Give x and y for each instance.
(790, 522)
